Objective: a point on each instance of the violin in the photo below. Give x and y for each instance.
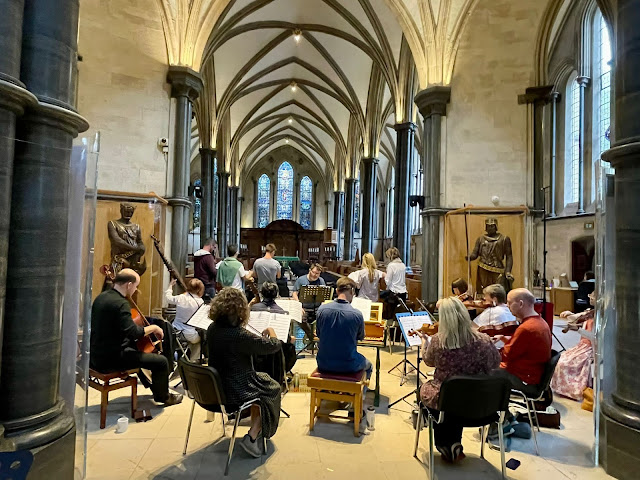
(587, 315)
(507, 329)
(253, 286)
(426, 329)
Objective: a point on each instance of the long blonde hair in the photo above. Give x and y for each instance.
(455, 329)
(369, 262)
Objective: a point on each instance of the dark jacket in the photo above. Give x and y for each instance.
(204, 268)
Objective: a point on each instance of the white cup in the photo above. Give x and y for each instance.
(123, 424)
(371, 418)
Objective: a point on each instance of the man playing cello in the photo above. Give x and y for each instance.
(114, 335)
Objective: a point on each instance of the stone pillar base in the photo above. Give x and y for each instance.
(55, 459)
(619, 452)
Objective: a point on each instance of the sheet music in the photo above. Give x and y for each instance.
(362, 305)
(201, 319)
(292, 306)
(260, 321)
(412, 323)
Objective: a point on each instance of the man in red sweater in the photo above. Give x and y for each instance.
(204, 266)
(525, 355)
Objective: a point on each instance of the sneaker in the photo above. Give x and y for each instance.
(445, 453)
(507, 430)
(174, 399)
(456, 452)
(252, 447)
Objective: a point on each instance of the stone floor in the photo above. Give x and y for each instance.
(153, 450)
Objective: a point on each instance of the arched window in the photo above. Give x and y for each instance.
(197, 206)
(306, 200)
(284, 205)
(264, 190)
(601, 94)
(572, 153)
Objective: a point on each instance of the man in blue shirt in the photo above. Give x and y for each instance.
(339, 327)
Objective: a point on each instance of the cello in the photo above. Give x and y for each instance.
(147, 343)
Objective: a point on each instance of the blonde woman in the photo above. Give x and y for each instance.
(368, 278)
(231, 348)
(457, 349)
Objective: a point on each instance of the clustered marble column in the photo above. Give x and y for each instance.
(338, 216)
(432, 104)
(38, 43)
(621, 413)
(404, 150)
(223, 207)
(349, 214)
(186, 85)
(368, 191)
(234, 233)
(207, 158)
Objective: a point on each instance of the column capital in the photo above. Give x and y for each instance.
(223, 174)
(208, 151)
(555, 96)
(583, 80)
(408, 126)
(185, 82)
(369, 161)
(350, 180)
(234, 187)
(180, 202)
(433, 100)
(537, 95)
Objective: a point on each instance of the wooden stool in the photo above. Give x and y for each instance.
(348, 387)
(102, 383)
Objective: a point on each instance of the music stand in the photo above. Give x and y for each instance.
(315, 294)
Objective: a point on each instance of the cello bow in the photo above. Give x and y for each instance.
(169, 264)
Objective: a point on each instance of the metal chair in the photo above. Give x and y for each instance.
(535, 393)
(204, 385)
(491, 400)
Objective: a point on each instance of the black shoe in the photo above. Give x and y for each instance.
(174, 399)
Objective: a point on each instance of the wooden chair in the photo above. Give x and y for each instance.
(347, 387)
(103, 383)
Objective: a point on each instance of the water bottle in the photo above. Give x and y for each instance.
(296, 381)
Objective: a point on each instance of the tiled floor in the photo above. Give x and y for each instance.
(153, 450)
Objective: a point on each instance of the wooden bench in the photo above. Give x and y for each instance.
(348, 387)
(107, 382)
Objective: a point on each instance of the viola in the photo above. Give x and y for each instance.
(426, 329)
(507, 329)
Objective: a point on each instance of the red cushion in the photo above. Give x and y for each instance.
(344, 377)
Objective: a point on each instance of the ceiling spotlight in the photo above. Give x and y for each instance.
(290, 120)
(286, 141)
(294, 86)
(297, 35)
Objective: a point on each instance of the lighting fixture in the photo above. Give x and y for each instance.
(297, 35)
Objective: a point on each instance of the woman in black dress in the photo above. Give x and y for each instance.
(231, 352)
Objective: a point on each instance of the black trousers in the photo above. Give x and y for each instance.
(159, 367)
(447, 433)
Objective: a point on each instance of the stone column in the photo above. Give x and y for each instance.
(368, 192)
(185, 88)
(432, 104)
(404, 149)
(621, 432)
(207, 157)
(349, 213)
(338, 211)
(223, 206)
(582, 82)
(233, 215)
(13, 99)
(31, 412)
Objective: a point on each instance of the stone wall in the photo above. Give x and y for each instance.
(123, 93)
(485, 139)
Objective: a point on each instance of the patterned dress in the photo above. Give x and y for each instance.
(231, 352)
(476, 358)
(573, 371)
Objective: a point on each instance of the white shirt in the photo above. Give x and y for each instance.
(237, 280)
(186, 306)
(367, 289)
(494, 316)
(395, 279)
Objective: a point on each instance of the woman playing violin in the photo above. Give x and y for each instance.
(460, 289)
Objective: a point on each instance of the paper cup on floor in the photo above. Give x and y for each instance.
(123, 424)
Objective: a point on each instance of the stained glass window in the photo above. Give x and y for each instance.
(264, 190)
(197, 207)
(306, 196)
(356, 215)
(284, 204)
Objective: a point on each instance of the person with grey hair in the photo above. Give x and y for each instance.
(498, 312)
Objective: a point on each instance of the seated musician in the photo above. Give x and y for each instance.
(460, 289)
(457, 349)
(368, 278)
(312, 278)
(573, 372)
(231, 351)
(526, 353)
(186, 305)
(396, 275)
(269, 293)
(497, 312)
(231, 272)
(339, 327)
(114, 335)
